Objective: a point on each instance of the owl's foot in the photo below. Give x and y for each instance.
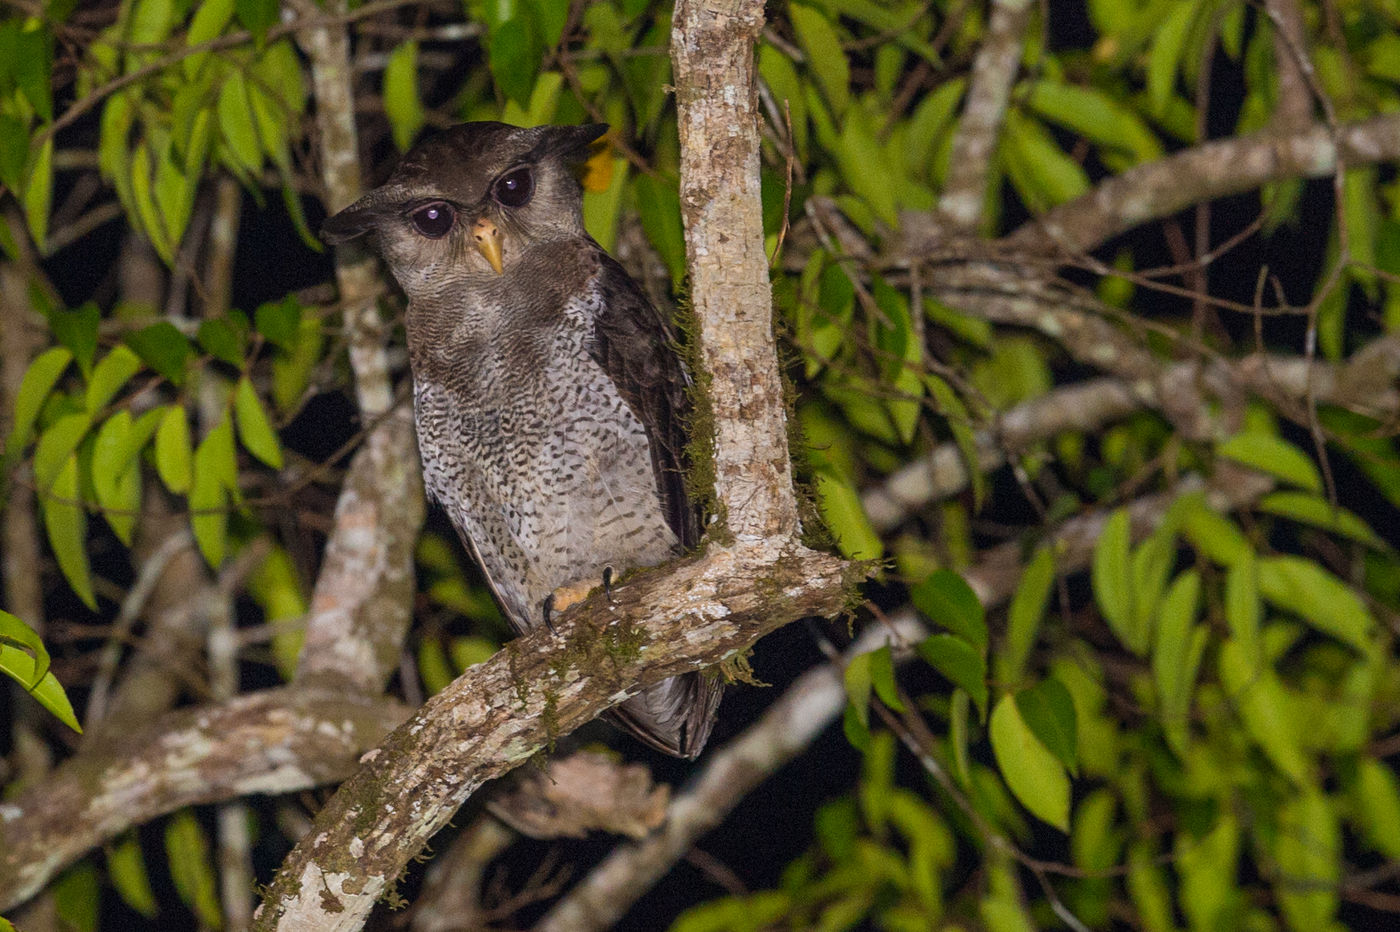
(572, 594)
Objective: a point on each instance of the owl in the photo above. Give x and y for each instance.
(549, 397)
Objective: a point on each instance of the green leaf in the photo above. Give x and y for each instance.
(150, 21)
(14, 150)
(1213, 534)
(236, 130)
(1320, 513)
(33, 66)
(1275, 456)
(1165, 57)
(945, 598)
(1207, 864)
(1048, 711)
(192, 869)
(513, 62)
(1033, 774)
(1377, 806)
(173, 450)
(213, 461)
(551, 16)
(291, 374)
(257, 16)
(39, 379)
(22, 667)
(659, 207)
(1097, 116)
(56, 445)
(174, 197)
(210, 19)
(825, 57)
(280, 322)
(76, 896)
(1111, 576)
(401, 102)
(16, 634)
(1042, 173)
(1322, 600)
(164, 348)
(960, 663)
(1242, 606)
(253, 425)
(1308, 848)
(109, 375)
(222, 340)
(1024, 616)
(1176, 657)
(116, 475)
(147, 212)
(1147, 885)
(65, 522)
(1152, 563)
(841, 509)
(126, 868)
(882, 678)
(38, 193)
(1264, 708)
(77, 330)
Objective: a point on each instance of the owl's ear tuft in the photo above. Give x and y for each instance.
(351, 223)
(572, 142)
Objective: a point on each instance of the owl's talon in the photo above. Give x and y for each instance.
(607, 582)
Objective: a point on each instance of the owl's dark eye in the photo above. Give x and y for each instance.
(515, 188)
(434, 220)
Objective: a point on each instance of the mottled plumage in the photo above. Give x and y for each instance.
(548, 393)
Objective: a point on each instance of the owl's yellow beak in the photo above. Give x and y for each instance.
(488, 241)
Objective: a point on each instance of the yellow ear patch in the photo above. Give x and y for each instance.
(598, 170)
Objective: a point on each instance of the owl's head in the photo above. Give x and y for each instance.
(469, 201)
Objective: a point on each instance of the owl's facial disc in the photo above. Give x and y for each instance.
(488, 242)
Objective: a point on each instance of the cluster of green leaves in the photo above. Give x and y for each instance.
(94, 422)
(26, 118)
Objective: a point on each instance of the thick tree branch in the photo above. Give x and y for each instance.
(274, 741)
(542, 686)
(1203, 173)
(1365, 384)
(717, 100)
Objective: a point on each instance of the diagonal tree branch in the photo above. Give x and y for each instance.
(1206, 172)
(274, 741)
(542, 686)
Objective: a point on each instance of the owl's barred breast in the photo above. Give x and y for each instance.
(539, 460)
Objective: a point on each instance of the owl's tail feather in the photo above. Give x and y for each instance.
(675, 715)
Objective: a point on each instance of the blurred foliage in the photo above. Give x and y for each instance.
(1199, 730)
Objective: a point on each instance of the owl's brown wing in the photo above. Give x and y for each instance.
(636, 346)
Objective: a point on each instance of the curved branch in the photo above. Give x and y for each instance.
(275, 741)
(1203, 173)
(1365, 383)
(500, 713)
